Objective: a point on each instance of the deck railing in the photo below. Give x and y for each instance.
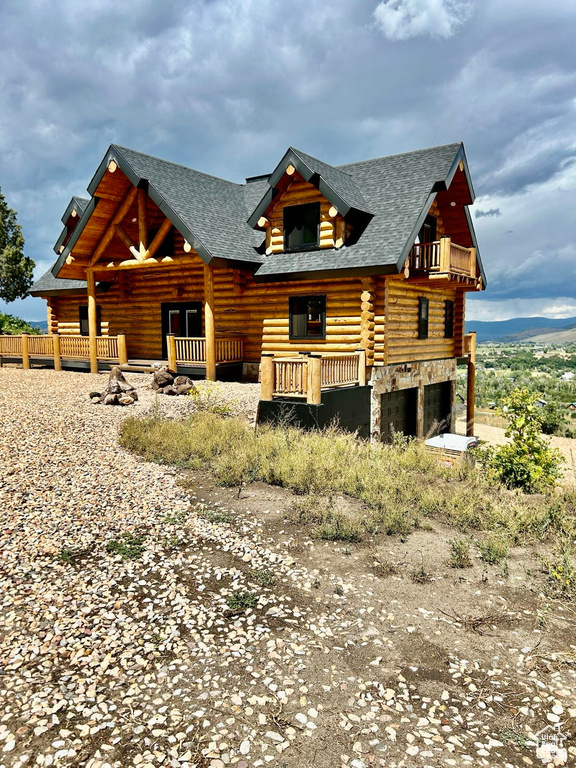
(192, 350)
(306, 376)
(56, 347)
(443, 257)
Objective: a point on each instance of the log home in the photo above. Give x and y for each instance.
(342, 287)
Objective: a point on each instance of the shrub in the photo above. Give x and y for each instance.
(552, 419)
(493, 549)
(527, 462)
(459, 554)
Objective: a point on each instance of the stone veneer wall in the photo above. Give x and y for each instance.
(389, 378)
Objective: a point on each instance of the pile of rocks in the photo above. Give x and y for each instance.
(167, 382)
(118, 391)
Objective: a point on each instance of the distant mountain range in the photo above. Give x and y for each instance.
(539, 329)
(42, 324)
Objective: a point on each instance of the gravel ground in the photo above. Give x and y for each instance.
(110, 662)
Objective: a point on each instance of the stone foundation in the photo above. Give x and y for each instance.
(389, 378)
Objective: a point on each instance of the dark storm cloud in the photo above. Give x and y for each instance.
(479, 214)
(226, 85)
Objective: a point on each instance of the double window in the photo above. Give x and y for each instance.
(301, 226)
(307, 317)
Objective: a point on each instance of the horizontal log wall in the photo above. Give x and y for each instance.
(379, 314)
(402, 342)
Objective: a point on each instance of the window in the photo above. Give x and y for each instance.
(83, 318)
(423, 305)
(448, 319)
(301, 226)
(428, 232)
(307, 317)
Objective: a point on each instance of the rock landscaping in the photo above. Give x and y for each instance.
(155, 619)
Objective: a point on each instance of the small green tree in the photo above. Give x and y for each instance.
(553, 419)
(16, 270)
(527, 462)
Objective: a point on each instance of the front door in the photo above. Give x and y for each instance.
(183, 319)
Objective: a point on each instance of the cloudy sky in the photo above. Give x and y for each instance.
(225, 86)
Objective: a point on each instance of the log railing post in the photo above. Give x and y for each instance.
(361, 367)
(25, 354)
(445, 244)
(210, 332)
(92, 321)
(171, 347)
(267, 376)
(314, 396)
(122, 349)
(470, 348)
(56, 351)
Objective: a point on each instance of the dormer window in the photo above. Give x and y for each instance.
(301, 227)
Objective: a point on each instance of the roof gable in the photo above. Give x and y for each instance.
(337, 186)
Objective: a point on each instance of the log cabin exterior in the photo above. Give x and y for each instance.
(342, 287)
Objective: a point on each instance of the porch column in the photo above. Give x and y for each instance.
(470, 348)
(209, 330)
(92, 321)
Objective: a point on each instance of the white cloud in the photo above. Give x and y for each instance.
(402, 19)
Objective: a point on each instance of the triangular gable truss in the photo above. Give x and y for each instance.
(141, 251)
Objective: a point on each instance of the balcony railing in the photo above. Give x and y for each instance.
(442, 258)
(192, 351)
(306, 376)
(56, 347)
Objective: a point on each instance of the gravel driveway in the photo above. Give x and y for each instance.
(110, 662)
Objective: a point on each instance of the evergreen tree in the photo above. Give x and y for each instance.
(16, 270)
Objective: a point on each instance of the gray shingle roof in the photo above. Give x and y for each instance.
(48, 284)
(397, 189)
(392, 194)
(212, 210)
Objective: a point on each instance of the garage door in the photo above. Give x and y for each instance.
(398, 413)
(437, 408)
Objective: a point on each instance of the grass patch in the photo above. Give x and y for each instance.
(70, 556)
(400, 486)
(240, 601)
(216, 515)
(562, 571)
(263, 577)
(494, 549)
(459, 554)
(129, 547)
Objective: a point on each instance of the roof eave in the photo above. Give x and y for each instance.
(320, 274)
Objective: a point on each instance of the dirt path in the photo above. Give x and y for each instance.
(343, 660)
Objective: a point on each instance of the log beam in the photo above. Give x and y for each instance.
(209, 330)
(111, 230)
(126, 239)
(92, 321)
(142, 222)
(159, 239)
(470, 347)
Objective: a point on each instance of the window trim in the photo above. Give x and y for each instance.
(448, 319)
(308, 246)
(316, 297)
(423, 317)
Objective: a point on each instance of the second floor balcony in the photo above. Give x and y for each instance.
(443, 259)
